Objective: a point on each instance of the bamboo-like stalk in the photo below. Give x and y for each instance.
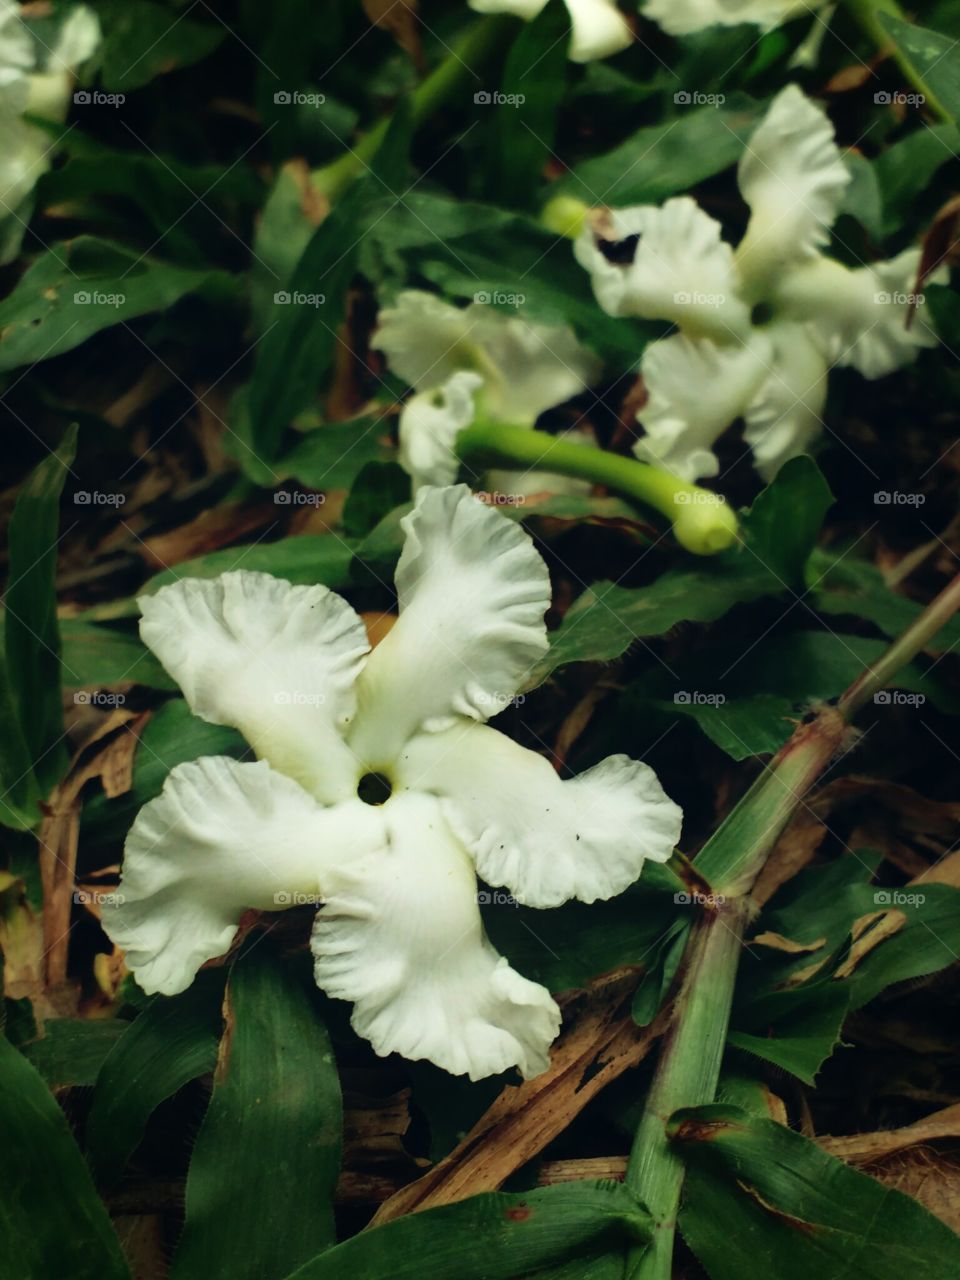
(730, 863)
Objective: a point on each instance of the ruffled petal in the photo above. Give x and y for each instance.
(223, 837)
(695, 389)
(786, 416)
(664, 263)
(793, 178)
(543, 839)
(526, 367)
(599, 29)
(276, 661)
(17, 48)
(861, 314)
(683, 17)
(430, 423)
(473, 590)
(401, 937)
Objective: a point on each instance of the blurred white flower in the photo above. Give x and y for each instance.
(759, 327)
(337, 729)
(35, 79)
(682, 17)
(465, 361)
(598, 28)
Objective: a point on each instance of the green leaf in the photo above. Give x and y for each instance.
(95, 655)
(927, 941)
(842, 584)
(905, 169)
(19, 789)
(663, 159)
(172, 736)
(936, 57)
(789, 1210)
(331, 456)
(535, 74)
(297, 351)
(170, 1043)
(142, 40)
(71, 1051)
(51, 1219)
(489, 1237)
(379, 488)
(31, 636)
(81, 286)
(265, 1165)
(796, 1030)
(779, 532)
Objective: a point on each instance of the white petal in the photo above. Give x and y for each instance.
(599, 29)
(401, 936)
(793, 178)
(430, 423)
(545, 840)
(473, 590)
(16, 44)
(786, 418)
(14, 92)
(678, 268)
(25, 155)
(221, 838)
(77, 40)
(682, 17)
(276, 661)
(860, 314)
(696, 388)
(526, 367)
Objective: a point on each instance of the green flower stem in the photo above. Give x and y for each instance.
(455, 74)
(730, 863)
(867, 15)
(702, 521)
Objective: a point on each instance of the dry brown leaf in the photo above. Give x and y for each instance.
(600, 1042)
(779, 943)
(862, 1148)
(399, 17)
(209, 531)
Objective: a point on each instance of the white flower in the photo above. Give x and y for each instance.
(463, 360)
(36, 79)
(682, 17)
(598, 28)
(759, 327)
(399, 933)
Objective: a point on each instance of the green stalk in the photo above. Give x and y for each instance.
(867, 15)
(730, 862)
(702, 521)
(456, 73)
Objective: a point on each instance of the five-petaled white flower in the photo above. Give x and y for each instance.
(34, 79)
(461, 361)
(759, 327)
(399, 933)
(598, 28)
(683, 17)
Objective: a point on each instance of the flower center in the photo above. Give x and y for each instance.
(374, 788)
(761, 314)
